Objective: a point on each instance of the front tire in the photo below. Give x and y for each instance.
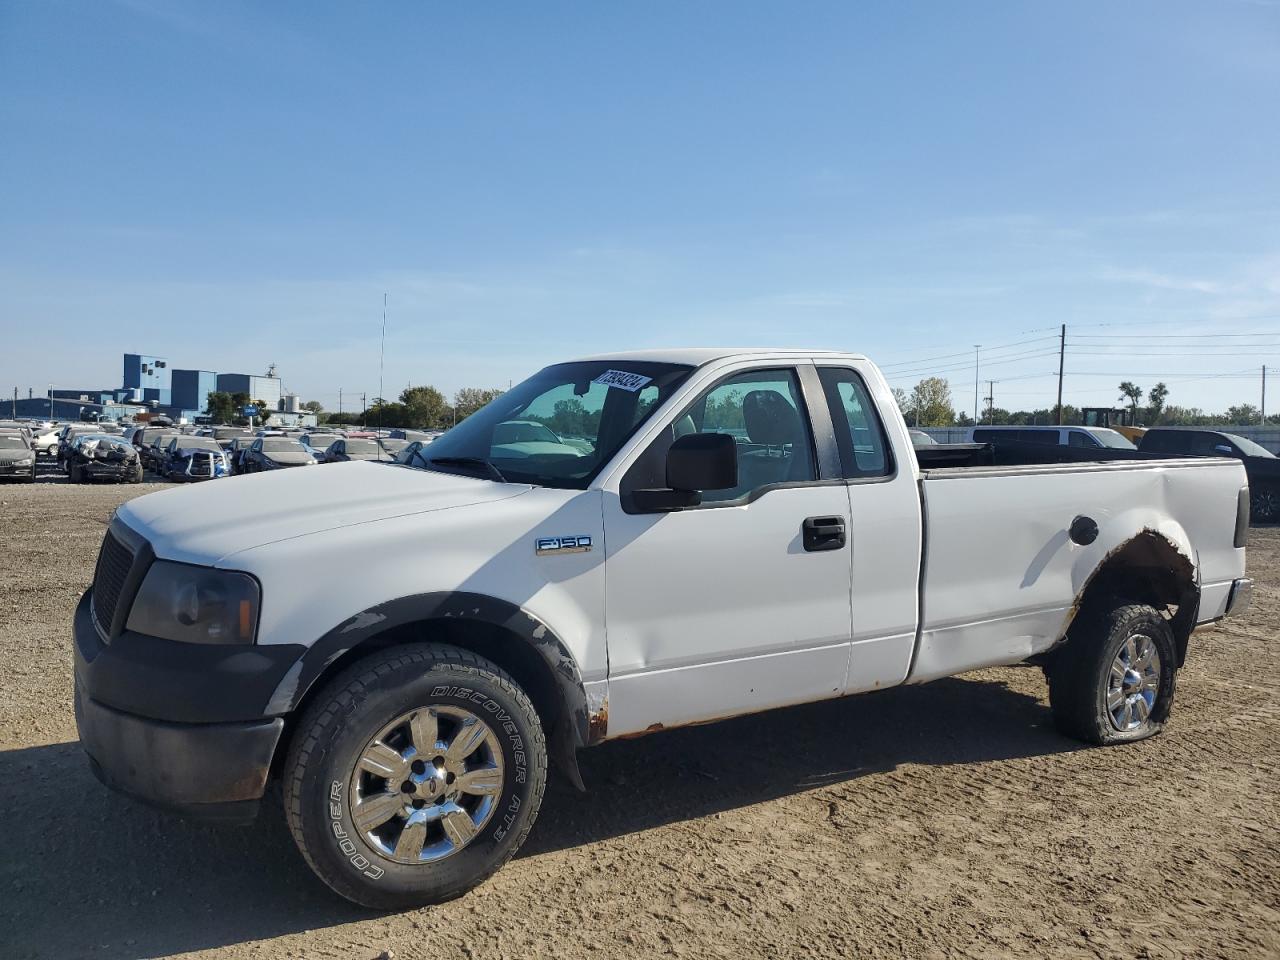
(1114, 680)
(414, 775)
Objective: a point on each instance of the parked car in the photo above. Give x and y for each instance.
(224, 435)
(102, 456)
(318, 443)
(153, 453)
(235, 453)
(414, 454)
(17, 458)
(194, 458)
(66, 435)
(1260, 464)
(275, 453)
(346, 449)
(46, 444)
(425, 435)
(533, 438)
(921, 439)
(1051, 436)
(141, 437)
(412, 714)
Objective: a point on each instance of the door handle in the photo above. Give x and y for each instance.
(823, 533)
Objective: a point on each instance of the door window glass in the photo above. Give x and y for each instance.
(763, 412)
(1078, 438)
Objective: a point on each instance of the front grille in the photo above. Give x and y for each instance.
(114, 563)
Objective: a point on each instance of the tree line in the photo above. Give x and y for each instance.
(422, 408)
(929, 404)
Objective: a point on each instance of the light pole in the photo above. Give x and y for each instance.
(976, 347)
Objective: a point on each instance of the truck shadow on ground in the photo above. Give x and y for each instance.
(87, 873)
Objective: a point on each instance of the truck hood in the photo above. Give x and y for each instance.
(209, 523)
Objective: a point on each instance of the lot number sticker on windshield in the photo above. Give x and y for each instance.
(622, 380)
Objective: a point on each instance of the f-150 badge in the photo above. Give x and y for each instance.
(546, 546)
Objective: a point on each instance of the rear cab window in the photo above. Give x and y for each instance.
(860, 437)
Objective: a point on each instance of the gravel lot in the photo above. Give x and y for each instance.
(941, 821)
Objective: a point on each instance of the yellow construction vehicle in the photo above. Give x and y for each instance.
(1119, 419)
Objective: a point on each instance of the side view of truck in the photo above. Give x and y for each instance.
(668, 538)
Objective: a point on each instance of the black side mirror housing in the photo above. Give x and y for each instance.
(703, 461)
(696, 462)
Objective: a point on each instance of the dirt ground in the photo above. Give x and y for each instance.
(948, 820)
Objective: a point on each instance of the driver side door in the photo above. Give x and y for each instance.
(743, 602)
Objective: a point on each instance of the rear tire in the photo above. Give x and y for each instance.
(1264, 504)
(73, 473)
(1114, 680)
(442, 814)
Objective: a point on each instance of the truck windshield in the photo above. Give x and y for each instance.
(559, 427)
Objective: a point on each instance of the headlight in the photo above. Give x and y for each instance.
(192, 604)
(24, 463)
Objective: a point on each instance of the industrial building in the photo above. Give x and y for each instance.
(147, 378)
(266, 389)
(150, 386)
(191, 388)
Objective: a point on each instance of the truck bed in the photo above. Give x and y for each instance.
(1001, 575)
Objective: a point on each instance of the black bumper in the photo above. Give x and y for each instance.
(186, 726)
(208, 770)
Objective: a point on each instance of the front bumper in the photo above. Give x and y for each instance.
(107, 469)
(12, 470)
(209, 770)
(180, 725)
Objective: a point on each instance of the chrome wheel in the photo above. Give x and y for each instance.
(426, 785)
(1134, 683)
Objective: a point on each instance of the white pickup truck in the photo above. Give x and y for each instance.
(616, 546)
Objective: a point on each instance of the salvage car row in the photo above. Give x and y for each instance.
(88, 452)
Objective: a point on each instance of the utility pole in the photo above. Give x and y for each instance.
(976, 346)
(363, 407)
(1062, 353)
(339, 401)
(1263, 419)
(15, 402)
(991, 402)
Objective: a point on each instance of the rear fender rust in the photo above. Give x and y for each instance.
(1156, 553)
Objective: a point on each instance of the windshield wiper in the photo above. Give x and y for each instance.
(488, 467)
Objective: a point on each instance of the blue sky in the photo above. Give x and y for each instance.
(230, 184)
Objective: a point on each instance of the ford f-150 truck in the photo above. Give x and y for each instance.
(616, 546)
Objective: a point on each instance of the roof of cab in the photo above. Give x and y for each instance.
(697, 356)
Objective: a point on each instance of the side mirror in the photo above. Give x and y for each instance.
(696, 462)
(703, 461)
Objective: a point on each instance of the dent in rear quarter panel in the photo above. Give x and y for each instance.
(1002, 574)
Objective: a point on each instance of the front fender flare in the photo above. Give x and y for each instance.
(445, 605)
